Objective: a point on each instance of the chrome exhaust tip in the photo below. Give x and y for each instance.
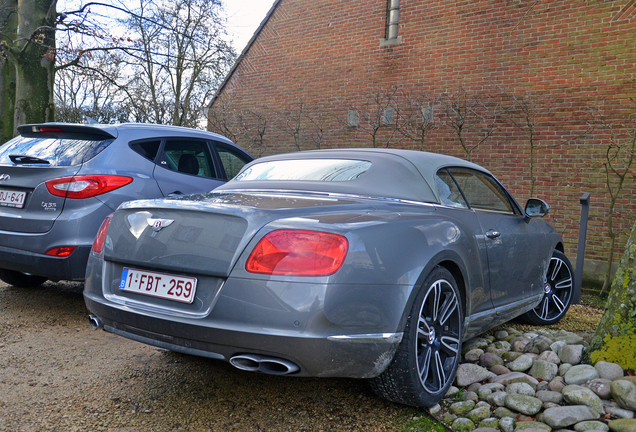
(95, 322)
(264, 364)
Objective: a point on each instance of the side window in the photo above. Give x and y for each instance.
(188, 157)
(147, 149)
(482, 191)
(232, 160)
(448, 191)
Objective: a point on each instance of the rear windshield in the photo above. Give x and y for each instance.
(306, 170)
(50, 151)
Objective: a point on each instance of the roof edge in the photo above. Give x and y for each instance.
(244, 52)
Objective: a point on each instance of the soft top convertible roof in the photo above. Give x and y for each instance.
(399, 174)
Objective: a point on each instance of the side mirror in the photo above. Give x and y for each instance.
(536, 208)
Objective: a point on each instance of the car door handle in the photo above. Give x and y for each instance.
(493, 234)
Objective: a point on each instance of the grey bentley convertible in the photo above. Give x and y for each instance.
(363, 263)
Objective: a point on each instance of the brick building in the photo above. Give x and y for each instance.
(540, 92)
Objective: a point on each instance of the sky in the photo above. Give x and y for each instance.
(244, 17)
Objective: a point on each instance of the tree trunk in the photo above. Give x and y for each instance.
(34, 59)
(8, 26)
(615, 337)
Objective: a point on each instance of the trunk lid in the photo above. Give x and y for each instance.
(40, 209)
(203, 234)
(43, 152)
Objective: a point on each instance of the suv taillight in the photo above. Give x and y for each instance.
(85, 186)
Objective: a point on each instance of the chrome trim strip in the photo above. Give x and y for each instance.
(368, 338)
(268, 192)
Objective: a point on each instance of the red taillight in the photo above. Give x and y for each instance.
(61, 252)
(85, 186)
(51, 129)
(100, 238)
(298, 253)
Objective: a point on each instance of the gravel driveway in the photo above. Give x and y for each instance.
(57, 373)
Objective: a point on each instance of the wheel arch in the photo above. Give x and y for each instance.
(452, 262)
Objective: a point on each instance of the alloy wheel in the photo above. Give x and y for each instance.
(557, 290)
(438, 334)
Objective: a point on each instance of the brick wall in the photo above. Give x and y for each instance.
(540, 90)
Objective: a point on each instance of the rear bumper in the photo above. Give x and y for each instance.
(72, 267)
(352, 356)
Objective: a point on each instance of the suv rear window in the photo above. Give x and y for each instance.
(51, 151)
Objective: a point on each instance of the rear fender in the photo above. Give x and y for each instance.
(453, 262)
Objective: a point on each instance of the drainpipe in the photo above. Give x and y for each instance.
(580, 252)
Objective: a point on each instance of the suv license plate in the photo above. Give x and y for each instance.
(11, 198)
(166, 286)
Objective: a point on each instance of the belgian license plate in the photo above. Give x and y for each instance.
(12, 198)
(166, 286)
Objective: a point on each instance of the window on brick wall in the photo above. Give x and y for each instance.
(392, 23)
(352, 118)
(388, 116)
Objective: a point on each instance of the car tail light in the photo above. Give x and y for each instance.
(46, 129)
(61, 252)
(85, 186)
(298, 253)
(100, 238)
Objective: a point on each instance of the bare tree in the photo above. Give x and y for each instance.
(379, 113)
(89, 92)
(177, 60)
(255, 125)
(618, 163)
(418, 118)
(319, 127)
(472, 119)
(294, 123)
(224, 118)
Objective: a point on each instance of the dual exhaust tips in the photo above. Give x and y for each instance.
(264, 364)
(246, 362)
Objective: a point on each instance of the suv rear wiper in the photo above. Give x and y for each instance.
(25, 160)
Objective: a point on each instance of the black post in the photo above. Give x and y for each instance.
(580, 252)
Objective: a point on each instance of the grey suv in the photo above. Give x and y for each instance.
(59, 181)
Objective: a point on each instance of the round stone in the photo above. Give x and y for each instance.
(461, 408)
(601, 387)
(557, 384)
(543, 370)
(507, 424)
(624, 393)
(580, 374)
(527, 405)
(622, 425)
(473, 355)
(609, 371)
(577, 395)
(562, 417)
(572, 354)
(550, 356)
(522, 363)
(591, 426)
(520, 388)
(463, 424)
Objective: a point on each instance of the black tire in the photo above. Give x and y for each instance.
(426, 361)
(21, 280)
(557, 297)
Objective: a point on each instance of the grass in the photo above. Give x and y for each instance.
(419, 421)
